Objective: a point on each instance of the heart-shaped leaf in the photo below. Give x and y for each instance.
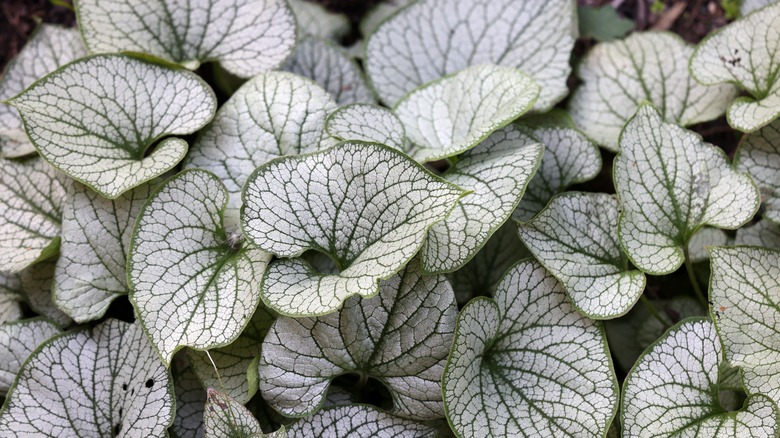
(247, 37)
(670, 184)
(335, 202)
(274, 114)
(497, 172)
(193, 280)
(314, 19)
(569, 158)
(400, 338)
(357, 421)
(83, 119)
(673, 390)
(329, 66)
(762, 233)
(369, 123)
(224, 417)
(528, 364)
(31, 197)
(433, 38)
(190, 402)
(759, 156)
(49, 47)
(743, 289)
(17, 340)
(575, 239)
(455, 113)
(745, 53)
(101, 382)
(11, 297)
(96, 232)
(647, 66)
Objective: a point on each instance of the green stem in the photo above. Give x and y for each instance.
(653, 311)
(692, 276)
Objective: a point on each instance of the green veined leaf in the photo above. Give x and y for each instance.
(314, 19)
(671, 183)
(236, 362)
(37, 283)
(17, 340)
(329, 66)
(455, 113)
(647, 66)
(528, 364)
(497, 172)
(84, 119)
(762, 233)
(31, 197)
(748, 6)
(743, 287)
(759, 156)
(11, 297)
(357, 421)
(273, 115)
(334, 202)
(602, 23)
(247, 37)
(569, 158)
(193, 280)
(433, 38)
(96, 232)
(101, 382)
(190, 402)
(401, 339)
(673, 390)
(369, 123)
(49, 47)
(575, 239)
(745, 53)
(224, 417)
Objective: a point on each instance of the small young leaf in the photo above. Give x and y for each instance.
(400, 338)
(273, 115)
(670, 184)
(193, 281)
(528, 364)
(602, 23)
(759, 156)
(762, 233)
(575, 239)
(744, 287)
(95, 119)
(11, 297)
(190, 402)
(247, 37)
(455, 113)
(101, 382)
(329, 66)
(497, 172)
(745, 53)
(673, 390)
(647, 66)
(17, 340)
(357, 421)
(313, 19)
(369, 123)
(224, 417)
(49, 47)
(336, 202)
(433, 38)
(96, 232)
(31, 197)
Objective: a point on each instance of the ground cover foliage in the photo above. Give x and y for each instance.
(219, 219)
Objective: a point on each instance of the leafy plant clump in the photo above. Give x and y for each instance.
(218, 221)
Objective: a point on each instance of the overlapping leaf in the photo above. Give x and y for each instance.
(743, 289)
(274, 114)
(575, 239)
(31, 197)
(247, 37)
(528, 364)
(400, 338)
(224, 417)
(455, 113)
(433, 38)
(357, 421)
(37, 283)
(314, 19)
(671, 183)
(745, 53)
(762, 233)
(673, 390)
(759, 156)
(96, 118)
(496, 172)
(48, 48)
(102, 382)
(96, 232)
(336, 202)
(193, 281)
(647, 66)
(369, 123)
(11, 297)
(190, 402)
(17, 340)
